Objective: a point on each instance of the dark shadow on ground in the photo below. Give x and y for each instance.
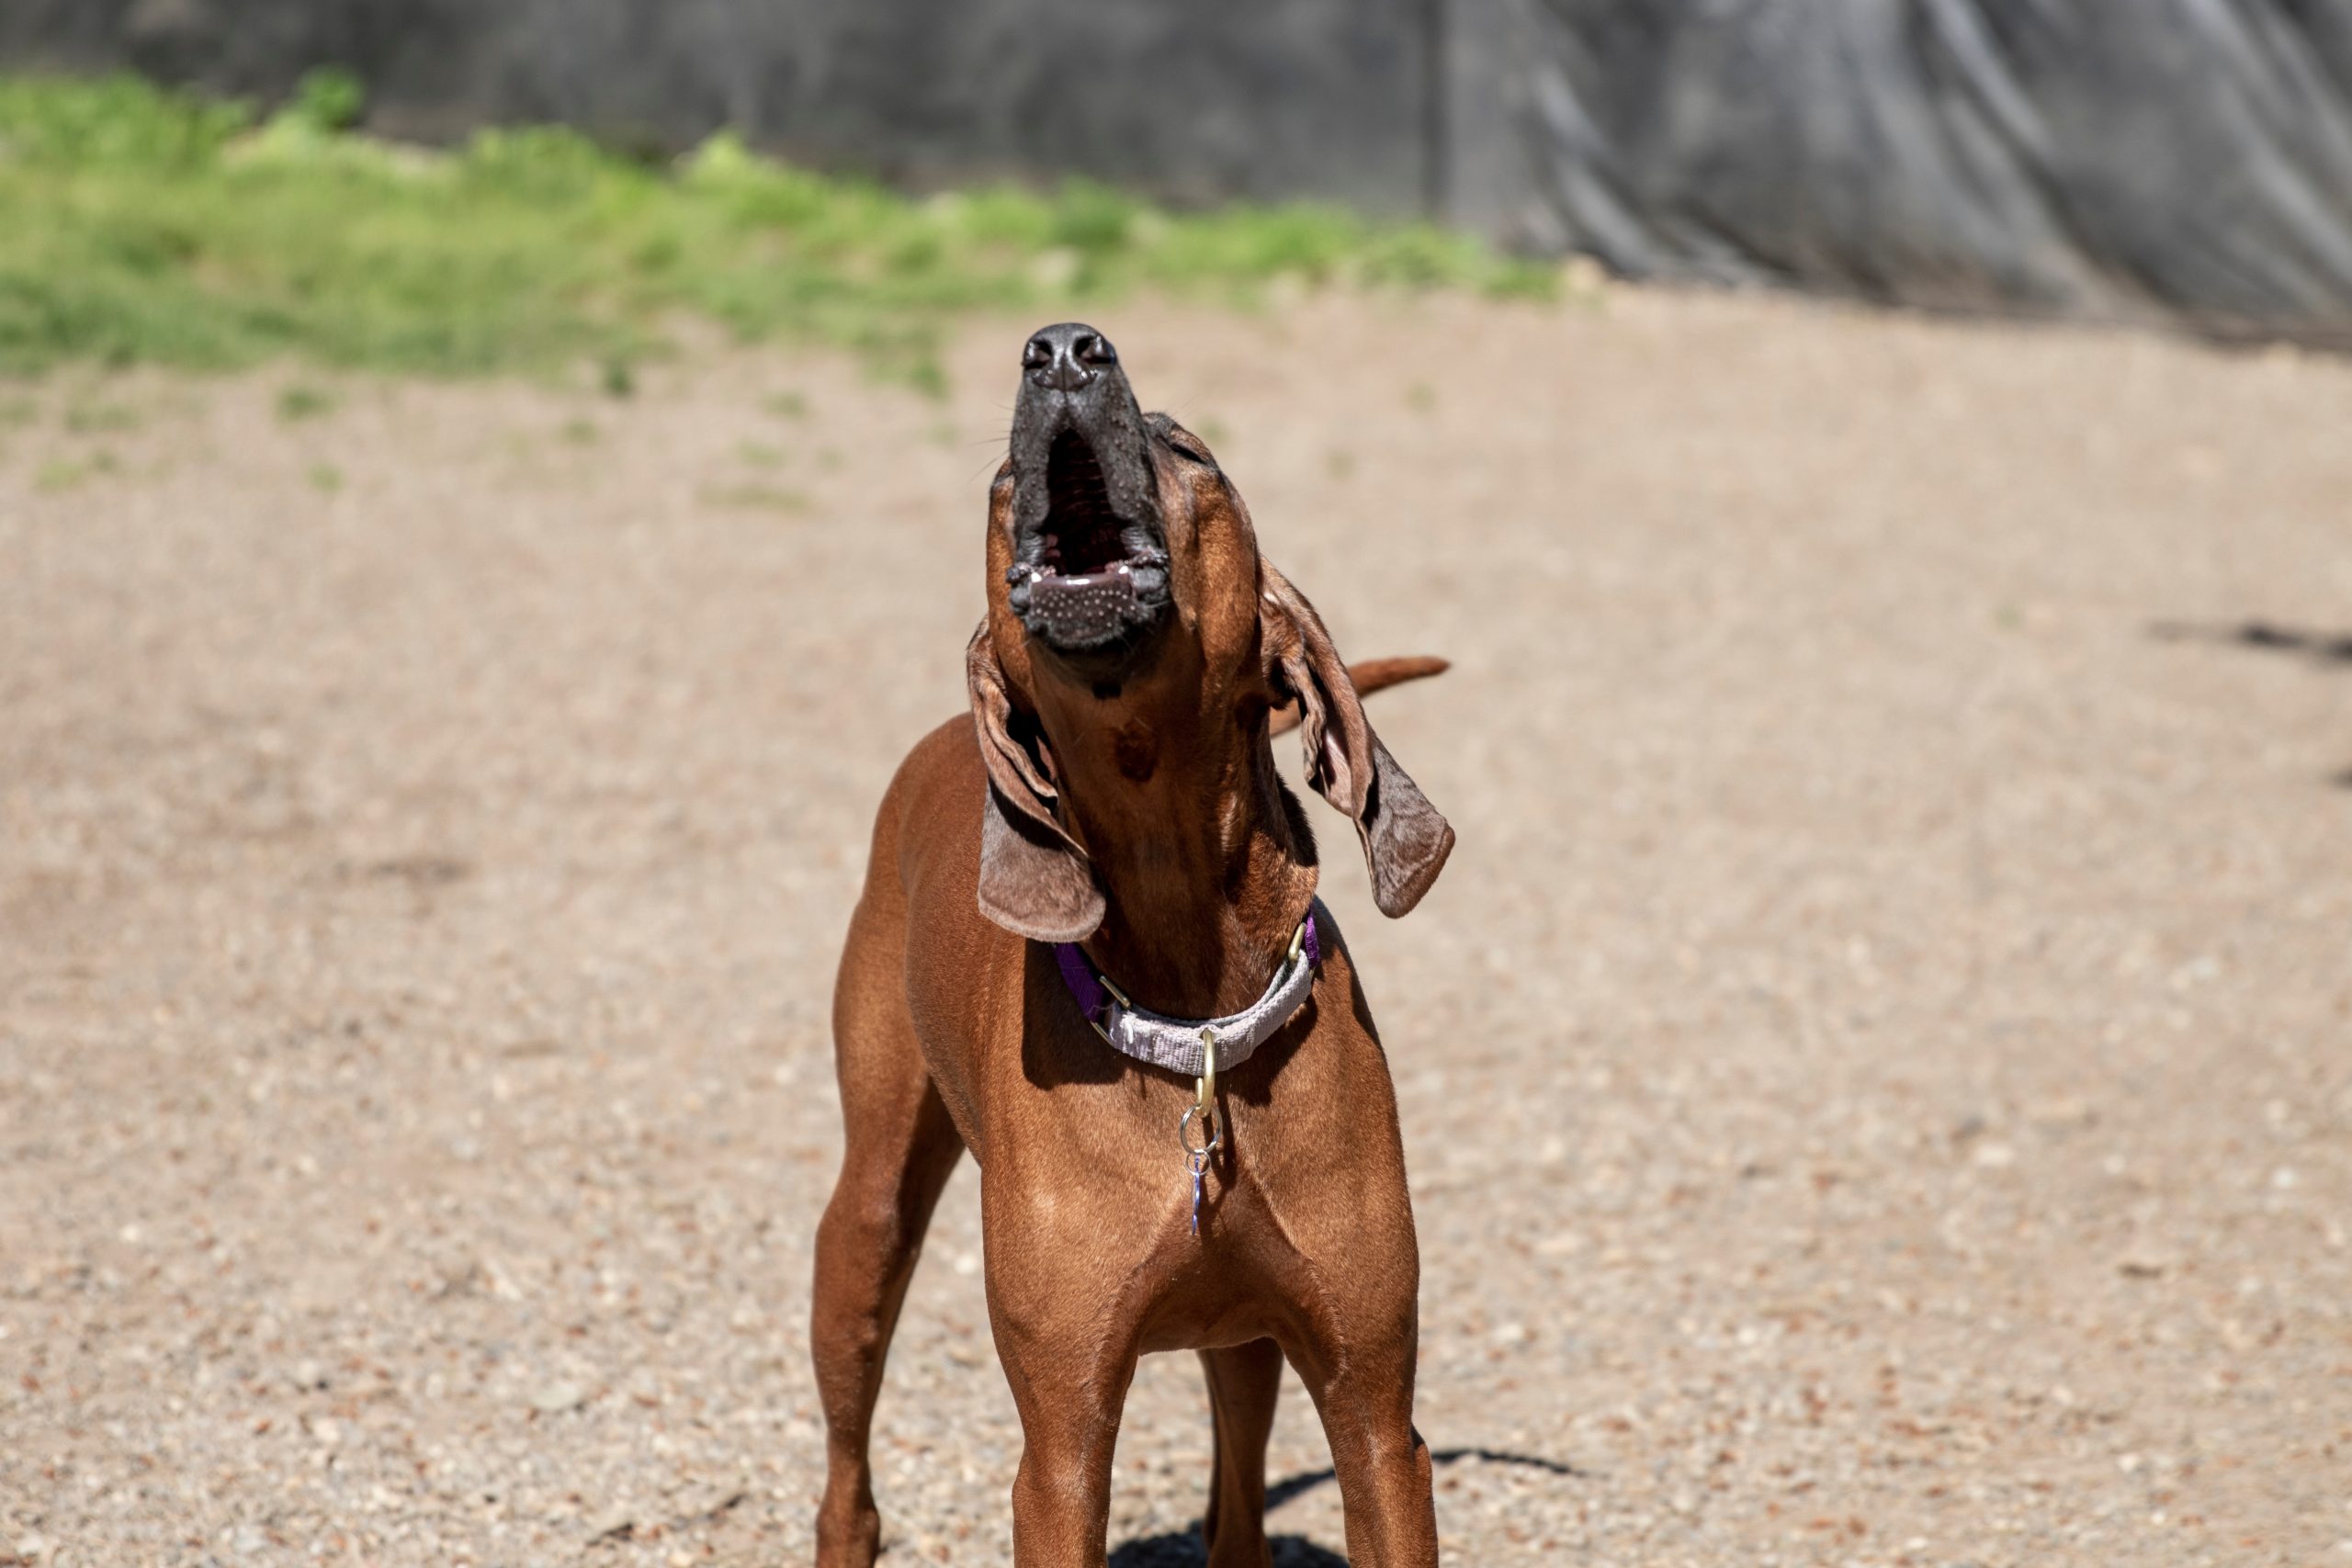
(2321, 648)
(2316, 648)
(1183, 1549)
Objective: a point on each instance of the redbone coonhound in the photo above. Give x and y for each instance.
(1101, 848)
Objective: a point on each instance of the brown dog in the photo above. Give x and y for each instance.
(1114, 788)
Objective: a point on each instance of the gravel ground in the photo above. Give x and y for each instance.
(1876, 1071)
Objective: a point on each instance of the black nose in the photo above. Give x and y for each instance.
(1065, 357)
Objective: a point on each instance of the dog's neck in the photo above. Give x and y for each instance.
(1206, 862)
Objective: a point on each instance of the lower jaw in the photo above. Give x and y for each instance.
(1099, 611)
(1102, 654)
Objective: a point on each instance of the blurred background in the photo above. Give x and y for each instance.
(2153, 160)
(488, 494)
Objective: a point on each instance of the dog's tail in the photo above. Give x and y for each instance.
(1369, 676)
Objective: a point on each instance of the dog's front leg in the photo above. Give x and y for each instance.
(1061, 1498)
(1358, 1366)
(1065, 1304)
(1357, 1355)
(1069, 1399)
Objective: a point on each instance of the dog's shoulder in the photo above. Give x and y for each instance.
(943, 764)
(929, 818)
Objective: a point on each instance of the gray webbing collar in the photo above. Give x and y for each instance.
(1179, 1043)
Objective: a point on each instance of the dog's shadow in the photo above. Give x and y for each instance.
(1184, 1548)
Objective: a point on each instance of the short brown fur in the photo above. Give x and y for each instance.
(1147, 819)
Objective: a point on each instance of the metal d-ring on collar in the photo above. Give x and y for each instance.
(1204, 1106)
(1196, 1047)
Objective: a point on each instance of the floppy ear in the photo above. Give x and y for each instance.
(1034, 880)
(1405, 840)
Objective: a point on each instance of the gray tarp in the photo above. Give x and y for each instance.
(1195, 99)
(2109, 158)
(2179, 160)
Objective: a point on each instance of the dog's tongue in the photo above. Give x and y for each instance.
(1090, 608)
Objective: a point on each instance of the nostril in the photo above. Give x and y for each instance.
(1066, 357)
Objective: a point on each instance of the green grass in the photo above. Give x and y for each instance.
(87, 419)
(69, 473)
(299, 402)
(143, 225)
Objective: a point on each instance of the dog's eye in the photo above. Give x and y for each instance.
(1187, 449)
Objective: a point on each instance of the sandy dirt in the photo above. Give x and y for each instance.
(1877, 1073)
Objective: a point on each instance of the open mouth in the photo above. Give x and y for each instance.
(1088, 576)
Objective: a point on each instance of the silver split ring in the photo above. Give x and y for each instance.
(1210, 1127)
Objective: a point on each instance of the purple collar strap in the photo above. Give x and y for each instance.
(1179, 1043)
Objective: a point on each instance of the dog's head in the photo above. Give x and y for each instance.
(1130, 616)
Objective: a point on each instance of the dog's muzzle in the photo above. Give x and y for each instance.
(1089, 555)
